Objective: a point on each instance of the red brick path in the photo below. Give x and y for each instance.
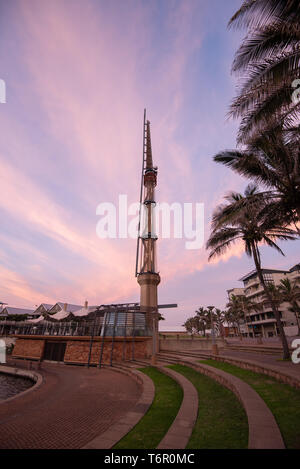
(71, 407)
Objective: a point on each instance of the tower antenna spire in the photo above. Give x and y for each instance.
(141, 193)
(146, 269)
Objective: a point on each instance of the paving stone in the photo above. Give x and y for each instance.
(73, 406)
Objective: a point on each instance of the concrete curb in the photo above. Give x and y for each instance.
(263, 429)
(33, 375)
(180, 431)
(118, 430)
(275, 372)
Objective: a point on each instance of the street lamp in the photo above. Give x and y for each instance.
(214, 345)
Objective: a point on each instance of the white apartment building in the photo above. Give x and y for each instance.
(262, 322)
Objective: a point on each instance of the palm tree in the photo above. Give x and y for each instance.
(290, 292)
(274, 162)
(247, 306)
(269, 61)
(239, 306)
(189, 325)
(235, 312)
(250, 225)
(194, 325)
(202, 314)
(230, 319)
(219, 318)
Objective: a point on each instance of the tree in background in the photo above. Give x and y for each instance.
(290, 292)
(268, 63)
(251, 225)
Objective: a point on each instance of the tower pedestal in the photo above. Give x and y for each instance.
(148, 303)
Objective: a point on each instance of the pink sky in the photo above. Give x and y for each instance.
(78, 76)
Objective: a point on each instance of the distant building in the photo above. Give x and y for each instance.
(235, 292)
(262, 321)
(60, 306)
(44, 308)
(11, 312)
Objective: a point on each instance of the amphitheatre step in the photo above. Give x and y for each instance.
(180, 353)
(263, 429)
(180, 431)
(287, 375)
(253, 348)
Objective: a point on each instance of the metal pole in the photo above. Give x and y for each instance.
(113, 336)
(141, 197)
(133, 332)
(103, 335)
(124, 341)
(91, 340)
(213, 339)
(154, 341)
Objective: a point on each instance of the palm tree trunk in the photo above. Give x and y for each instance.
(296, 309)
(298, 215)
(286, 352)
(239, 329)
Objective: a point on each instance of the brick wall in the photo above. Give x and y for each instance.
(77, 349)
(29, 348)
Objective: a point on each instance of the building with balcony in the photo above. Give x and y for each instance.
(261, 321)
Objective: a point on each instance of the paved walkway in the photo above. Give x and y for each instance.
(264, 359)
(117, 431)
(71, 407)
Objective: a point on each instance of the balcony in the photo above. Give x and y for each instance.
(252, 282)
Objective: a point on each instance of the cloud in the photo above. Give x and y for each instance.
(72, 138)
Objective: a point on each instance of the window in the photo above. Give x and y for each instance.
(268, 278)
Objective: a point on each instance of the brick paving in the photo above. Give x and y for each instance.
(117, 431)
(71, 407)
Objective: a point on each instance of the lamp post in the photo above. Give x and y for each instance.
(154, 339)
(214, 345)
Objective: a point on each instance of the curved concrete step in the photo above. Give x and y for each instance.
(263, 429)
(180, 431)
(287, 376)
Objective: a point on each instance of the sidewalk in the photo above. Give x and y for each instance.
(71, 407)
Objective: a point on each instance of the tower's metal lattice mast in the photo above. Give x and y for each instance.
(146, 243)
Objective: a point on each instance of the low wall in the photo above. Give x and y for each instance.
(174, 345)
(31, 349)
(78, 348)
(33, 375)
(77, 351)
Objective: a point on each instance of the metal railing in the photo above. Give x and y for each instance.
(116, 324)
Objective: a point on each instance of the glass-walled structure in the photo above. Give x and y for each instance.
(106, 321)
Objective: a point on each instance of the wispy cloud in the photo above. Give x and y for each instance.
(79, 75)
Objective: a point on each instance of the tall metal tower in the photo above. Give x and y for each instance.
(146, 268)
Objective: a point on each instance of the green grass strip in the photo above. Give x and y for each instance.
(222, 422)
(151, 429)
(282, 400)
